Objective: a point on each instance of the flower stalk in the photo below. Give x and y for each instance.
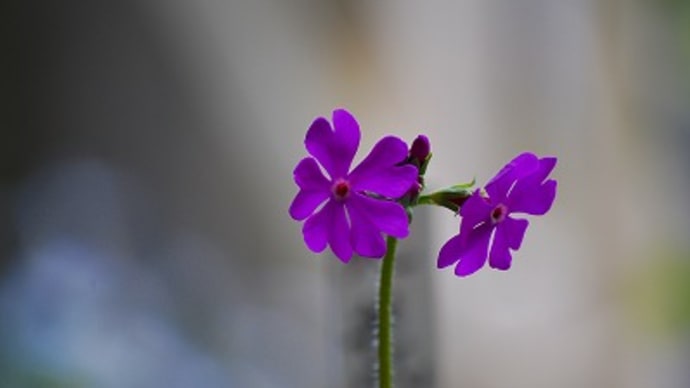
(385, 329)
(350, 209)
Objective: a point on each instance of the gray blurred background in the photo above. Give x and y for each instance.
(146, 156)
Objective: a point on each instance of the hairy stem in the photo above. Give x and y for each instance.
(386, 315)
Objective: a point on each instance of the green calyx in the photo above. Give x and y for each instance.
(451, 197)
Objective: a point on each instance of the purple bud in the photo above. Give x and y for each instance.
(420, 148)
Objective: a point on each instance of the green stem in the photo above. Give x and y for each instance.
(386, 315)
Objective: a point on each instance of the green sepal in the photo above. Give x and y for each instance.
(424, 164)
(451, 197)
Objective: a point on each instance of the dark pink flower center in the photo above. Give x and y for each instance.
(499, 213)
(341, 189)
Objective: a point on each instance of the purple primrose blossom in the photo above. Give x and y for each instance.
(359, 203)
(520, 187)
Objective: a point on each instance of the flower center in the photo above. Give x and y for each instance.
(341, 189)
(499, 213)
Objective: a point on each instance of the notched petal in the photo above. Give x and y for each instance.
(450, 252)
(315, 229)
(389, 217)
(346, 131)
(339, 233)
(379, 171)
(534, 199)
(305, 202)
(499, 256)
(334, 151)
(475, 210)
(514, 229)
(521, 166)
(365, 237)
(390, 182)
(308, 175)
(475, 249)
(546, 165)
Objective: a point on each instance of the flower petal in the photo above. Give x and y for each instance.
(347, 131)
(315, 229)
(308, 175)
(469, 249)
(450, 252)
(514, 229)
(531, 194)
(334, 150)
(305, 202)
(379, 173)
(389, 217)
(473, 250)
(546, 165)
(521, 166)
(391, 182)
(475, 210)
(365, 237)
(339, 233)
(499, 256)
(315, 189)
(535, 199)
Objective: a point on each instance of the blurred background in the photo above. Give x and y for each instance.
(146, 156)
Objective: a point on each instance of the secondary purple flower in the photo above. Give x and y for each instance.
(359, 204)
(520, 187)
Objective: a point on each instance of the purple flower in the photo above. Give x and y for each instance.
(359, 204)
(520, 187)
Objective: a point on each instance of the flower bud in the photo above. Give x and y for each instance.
(420, 149)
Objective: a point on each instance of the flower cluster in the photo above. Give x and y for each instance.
(350, 209)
